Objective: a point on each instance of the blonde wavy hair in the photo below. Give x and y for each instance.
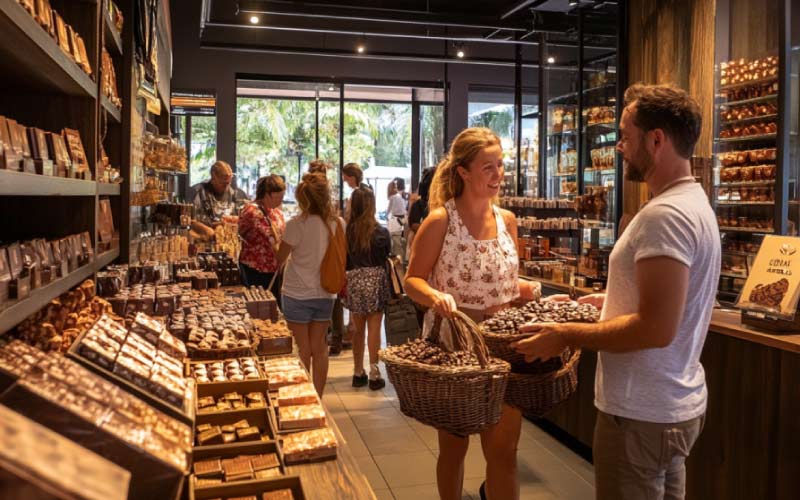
(447, 183)
(313, 196)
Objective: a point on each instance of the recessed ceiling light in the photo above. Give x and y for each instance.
(331, 89)
(254, 19)
(551, 59)
(460, 54)
(360, 49)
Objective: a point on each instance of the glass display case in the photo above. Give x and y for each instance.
(581, 163)
(755, 134)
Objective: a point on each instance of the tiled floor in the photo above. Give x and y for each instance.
(398, 454)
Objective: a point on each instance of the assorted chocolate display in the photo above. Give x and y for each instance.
(65, 36)
(36, 151)
(261, 304)
(225, 267)
(213, 471)
(239, 431)
(58, 324)
(69, 387)
(231, 401)
(509, 321)
(743, 71)
(229, 370)
(147, 356)
(109, 80)
(305, 416)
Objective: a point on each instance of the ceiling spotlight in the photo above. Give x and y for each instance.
(360, 49)
(551, 60)
(573, 3)
(331, 88)
(254, 19)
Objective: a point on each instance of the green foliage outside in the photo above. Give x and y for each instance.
(204, 147)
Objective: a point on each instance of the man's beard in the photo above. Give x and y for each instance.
(637, 170)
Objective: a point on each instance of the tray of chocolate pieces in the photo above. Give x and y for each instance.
(282, 488)
(220, 464)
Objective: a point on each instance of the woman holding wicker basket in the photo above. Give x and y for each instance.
(464, 258)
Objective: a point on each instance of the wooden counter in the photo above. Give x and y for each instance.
(334, 479)
(750, 445)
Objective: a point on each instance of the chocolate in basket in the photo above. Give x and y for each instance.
(508, 321)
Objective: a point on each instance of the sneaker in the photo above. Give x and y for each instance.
(360, 380)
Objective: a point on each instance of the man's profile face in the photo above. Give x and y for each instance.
(637, 162)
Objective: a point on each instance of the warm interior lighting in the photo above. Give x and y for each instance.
(360, 49)
(551, 59)
(254, 19)
(460, 54)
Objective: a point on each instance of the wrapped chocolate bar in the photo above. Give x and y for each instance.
(309, 445)
(5, 277)
(148, 328)
(299, 394)
(11, 154)
(20, 284)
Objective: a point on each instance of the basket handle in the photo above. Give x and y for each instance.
(465, 332)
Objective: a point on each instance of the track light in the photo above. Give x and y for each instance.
(361, 45)
(551, 60)
(360, 49)
(254, 19)
(459, 47)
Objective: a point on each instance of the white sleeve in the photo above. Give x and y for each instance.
(665, 231)
(292, 234)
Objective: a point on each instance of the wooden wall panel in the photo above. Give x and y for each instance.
(672, 42)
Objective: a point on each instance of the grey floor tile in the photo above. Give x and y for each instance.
(397, 441)
(365, 400)
(370, 469)
(378, 418)
(401, 470)
(420, 492)
(384, 494)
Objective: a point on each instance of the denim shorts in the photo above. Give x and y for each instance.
(308, 310)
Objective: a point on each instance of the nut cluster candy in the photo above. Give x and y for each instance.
(509, 321)
(422, 351)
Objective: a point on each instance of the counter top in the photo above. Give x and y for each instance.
(729, 322)
(723, 321)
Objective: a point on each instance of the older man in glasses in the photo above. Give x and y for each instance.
(215, 199)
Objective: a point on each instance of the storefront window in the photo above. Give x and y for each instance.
(494, 109)
(203, 148)
(432, 143)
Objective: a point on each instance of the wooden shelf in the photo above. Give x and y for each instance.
(745, 230)
(30, 56)
(25, 184)
(108, 189)
(744, 203)
(105, 259)
(113, 38)
(732, 275)
(753, 100)
(752, 119)
(21, 309)
(573, 174)
(747, 138)
(114, 112)
(749, 83)
(746, 184)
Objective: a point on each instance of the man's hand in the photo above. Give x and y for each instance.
(595, 299)
(560, 297)
(545, 343)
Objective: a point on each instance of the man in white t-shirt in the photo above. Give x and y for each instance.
(650, 387)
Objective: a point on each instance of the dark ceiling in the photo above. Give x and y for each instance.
(486, 30)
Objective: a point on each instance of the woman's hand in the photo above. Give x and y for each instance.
(561, 297)
(444, 304)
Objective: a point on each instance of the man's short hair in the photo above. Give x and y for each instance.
(221, 168)
(668, 108)
(353, 170)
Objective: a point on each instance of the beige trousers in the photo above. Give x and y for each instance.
(636, 460)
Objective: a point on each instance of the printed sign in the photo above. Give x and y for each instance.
(773, 286)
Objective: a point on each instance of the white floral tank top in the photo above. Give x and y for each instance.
(479, 274)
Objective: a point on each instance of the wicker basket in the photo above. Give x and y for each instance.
(499, 345)
(536, 394)
(459, 400)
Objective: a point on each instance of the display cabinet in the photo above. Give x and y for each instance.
(755, 133)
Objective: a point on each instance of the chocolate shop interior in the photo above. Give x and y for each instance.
(134, 361)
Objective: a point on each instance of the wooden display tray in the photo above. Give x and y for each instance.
(244, 488)
(235, 449)
(255, 416)
(275, 346)
(764, 322)
(150, 476)
(209, 388)
(185, 414)
(274, 414)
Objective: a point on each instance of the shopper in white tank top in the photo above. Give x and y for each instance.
(465, 257)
